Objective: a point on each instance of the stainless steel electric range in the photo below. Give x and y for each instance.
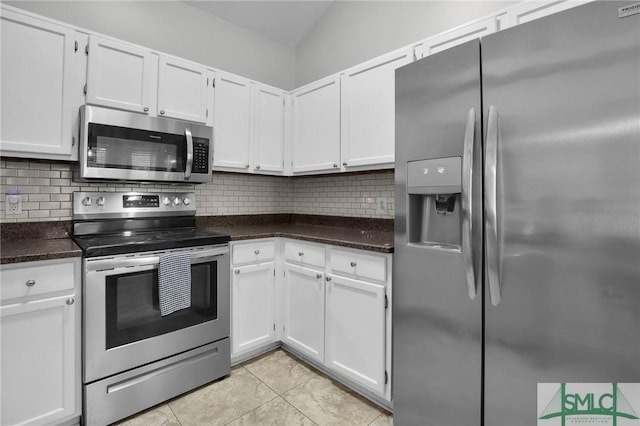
(133, 356)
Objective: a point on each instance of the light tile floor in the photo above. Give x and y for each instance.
(273, 389)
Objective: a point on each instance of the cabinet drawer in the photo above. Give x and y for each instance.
(258, 251)
(361, 265)
(37, 278)
(304, 254)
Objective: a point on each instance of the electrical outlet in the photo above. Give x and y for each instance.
(13, 203)
(381, 205)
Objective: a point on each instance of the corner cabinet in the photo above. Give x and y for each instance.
(368, 111)
(252, 296)
(40, 328)
(43, 73)
(315, 135)
(268, 128)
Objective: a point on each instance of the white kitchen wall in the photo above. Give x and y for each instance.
(180, 29)
(46, 189)
(351, 32)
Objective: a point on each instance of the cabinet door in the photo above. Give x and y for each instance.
(268, 129)
(232, 123)
(316, 126)
(303, 310)
(39, 359)
(42, 78)
(530, 10)
(355, 335)
(121, 76)
(252, 309)
(368, 111)
(182, 89)
(456, 36)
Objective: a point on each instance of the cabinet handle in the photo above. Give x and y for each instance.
(71, 301)
(146, 109)
(328, 279)
(31, 283)
(258, 167)
(300, 254)
(319, 275)
(237, 271)
(344, 164)
(246, 166)
(335, 165)
(162, 112)
(353, 264)
(257, 252)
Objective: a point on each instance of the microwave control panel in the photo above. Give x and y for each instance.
(200, 155)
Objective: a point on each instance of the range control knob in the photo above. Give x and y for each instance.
(166, 201)
(100, 201)
(176, 201)
(186, 201)
(86, 201)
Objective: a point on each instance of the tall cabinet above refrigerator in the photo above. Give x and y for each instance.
(517, 248)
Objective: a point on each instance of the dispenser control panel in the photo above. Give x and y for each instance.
(435, 176)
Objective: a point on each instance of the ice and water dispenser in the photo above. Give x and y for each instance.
(434, 213)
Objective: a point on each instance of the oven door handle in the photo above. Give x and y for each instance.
(115, 263)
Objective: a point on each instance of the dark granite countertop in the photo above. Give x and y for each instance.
(32, 241)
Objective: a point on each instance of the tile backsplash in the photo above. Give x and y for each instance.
(46, 189)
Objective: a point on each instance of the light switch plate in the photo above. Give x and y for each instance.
(13, 204)
(381, 205)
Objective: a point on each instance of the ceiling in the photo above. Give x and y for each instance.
(286, 22)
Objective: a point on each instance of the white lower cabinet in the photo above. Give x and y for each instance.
(304, 310)
(40, 328)
(355, 331)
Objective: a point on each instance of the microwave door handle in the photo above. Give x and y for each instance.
(189, 165)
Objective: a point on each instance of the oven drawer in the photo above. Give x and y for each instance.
(38, 278)
(304, 254)
(253, 252)
(357, 264)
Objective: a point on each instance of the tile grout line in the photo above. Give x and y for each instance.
(266, 402)
(174, 413)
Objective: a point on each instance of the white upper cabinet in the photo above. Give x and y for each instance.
(530, 10)
(268, 128)
(43, 73)
(368, 111)
(456, 36)
(232, 122)
(182, 89)
(316, 126)
(121, 76)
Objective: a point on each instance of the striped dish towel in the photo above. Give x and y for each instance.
(174, 282)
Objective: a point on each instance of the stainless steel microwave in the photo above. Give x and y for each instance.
(126, 146)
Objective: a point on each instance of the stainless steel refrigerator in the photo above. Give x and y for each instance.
(517, 247)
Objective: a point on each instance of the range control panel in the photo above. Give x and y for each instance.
(100, 205)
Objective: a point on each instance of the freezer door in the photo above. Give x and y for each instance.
(437, 323)
(564, 95)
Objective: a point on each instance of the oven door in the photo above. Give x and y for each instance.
(123, 326)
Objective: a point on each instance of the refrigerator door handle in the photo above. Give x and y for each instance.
(467, 196)
(490, 190)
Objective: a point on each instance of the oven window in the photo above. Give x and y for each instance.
(113, 147)
(133, 308)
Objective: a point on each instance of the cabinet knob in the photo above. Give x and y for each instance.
(146, 109)
(162, 112)
(319, 275)
(237, 271)
(344, 164)
(257, 252)
(246, 166)
(31, 283)
(353, 264)
(258, 167)
(335, 165)
(71, 301)
(328, 279)
(300, 254)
